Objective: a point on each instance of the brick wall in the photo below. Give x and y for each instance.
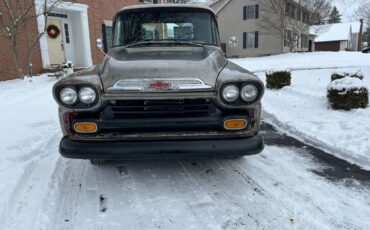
(98, 11)
(7, 67)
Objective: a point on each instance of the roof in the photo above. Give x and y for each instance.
(159, 6)
(332, 32)
(222, 4)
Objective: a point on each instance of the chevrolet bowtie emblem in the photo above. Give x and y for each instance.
(160, 85)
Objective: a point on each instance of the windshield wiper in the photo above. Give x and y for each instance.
(132, 44)
(151, 42)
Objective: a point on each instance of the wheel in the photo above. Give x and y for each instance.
(97, 162)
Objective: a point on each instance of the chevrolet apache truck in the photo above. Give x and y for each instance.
(164, 90)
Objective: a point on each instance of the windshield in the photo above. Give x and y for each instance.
(165, 28)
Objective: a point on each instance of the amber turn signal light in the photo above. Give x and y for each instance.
(235, 124)
(85, 127)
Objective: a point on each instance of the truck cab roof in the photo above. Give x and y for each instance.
(164, 7)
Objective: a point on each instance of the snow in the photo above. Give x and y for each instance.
(347, 83)
(335, 32)
(332, 32)
(282, 188)
(302, 109)
(305, 61)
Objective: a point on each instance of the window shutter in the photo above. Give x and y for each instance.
(244, 13)
(257, 8)
(256, 39)
(105, 47)
(244, 40)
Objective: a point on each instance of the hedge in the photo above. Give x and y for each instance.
(348, 93)
(341, 75)
(278, 79)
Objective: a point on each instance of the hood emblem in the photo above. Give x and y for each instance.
(160, 85)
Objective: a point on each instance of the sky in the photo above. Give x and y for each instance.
(347, 8)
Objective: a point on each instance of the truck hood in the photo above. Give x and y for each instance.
(168, 63)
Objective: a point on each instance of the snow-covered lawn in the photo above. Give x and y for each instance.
(313, 60)
(302, 109)
(29, 138)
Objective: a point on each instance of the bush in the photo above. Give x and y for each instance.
(278, 79)
(341, 75)
(348, 93)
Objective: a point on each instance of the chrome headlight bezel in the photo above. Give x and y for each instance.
(66, 92)
(87, 95)
(250, 89)
(78, 104)
(230, 93)
(242, 101)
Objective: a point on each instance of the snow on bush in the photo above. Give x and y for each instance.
(348, 93)
(340, 75)
(278, 79)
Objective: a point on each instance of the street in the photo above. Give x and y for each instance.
(289, 186)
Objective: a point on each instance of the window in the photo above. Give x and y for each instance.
(66, 33)
(288, 38)
(250, 12)
(165, 28)
(299, 14)
(305, 41)
(107, 35)
(57, 15)
(250, 40)
(290, 10)
(306, 18)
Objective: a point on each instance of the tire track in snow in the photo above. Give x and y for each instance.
(30, 187)
(173, 188)
(225, 188)
(67, 198)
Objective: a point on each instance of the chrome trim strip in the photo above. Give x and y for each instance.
(126, 88)
(143, 85)
(193, 87)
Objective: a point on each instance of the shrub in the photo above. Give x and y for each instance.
(341, 75)
(278, 79)
(348, 93)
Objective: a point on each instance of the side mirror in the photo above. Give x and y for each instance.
(233, 41)
(99, 45)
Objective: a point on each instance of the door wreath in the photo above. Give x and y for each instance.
(53, 31)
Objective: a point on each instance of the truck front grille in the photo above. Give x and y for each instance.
(161, 108)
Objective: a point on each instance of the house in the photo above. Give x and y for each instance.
(338, 36)
(251, 21)
(79, 23)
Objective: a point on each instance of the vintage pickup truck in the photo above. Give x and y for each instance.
(164, 90)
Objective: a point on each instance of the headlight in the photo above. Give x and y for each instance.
(249, 93)
(230, 93)
(87, 95)
(68, 96)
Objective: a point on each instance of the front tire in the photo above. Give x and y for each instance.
(97, 162)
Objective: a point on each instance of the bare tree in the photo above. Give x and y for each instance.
(320, 11)
(15, 21)
(363, 12)
(292, 19)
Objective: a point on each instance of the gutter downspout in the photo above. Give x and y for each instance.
(359, 44)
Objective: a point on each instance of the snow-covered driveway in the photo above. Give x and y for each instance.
(288, 186)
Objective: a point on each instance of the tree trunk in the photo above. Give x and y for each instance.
(14, 47)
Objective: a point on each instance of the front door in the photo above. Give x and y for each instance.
(55, 44)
